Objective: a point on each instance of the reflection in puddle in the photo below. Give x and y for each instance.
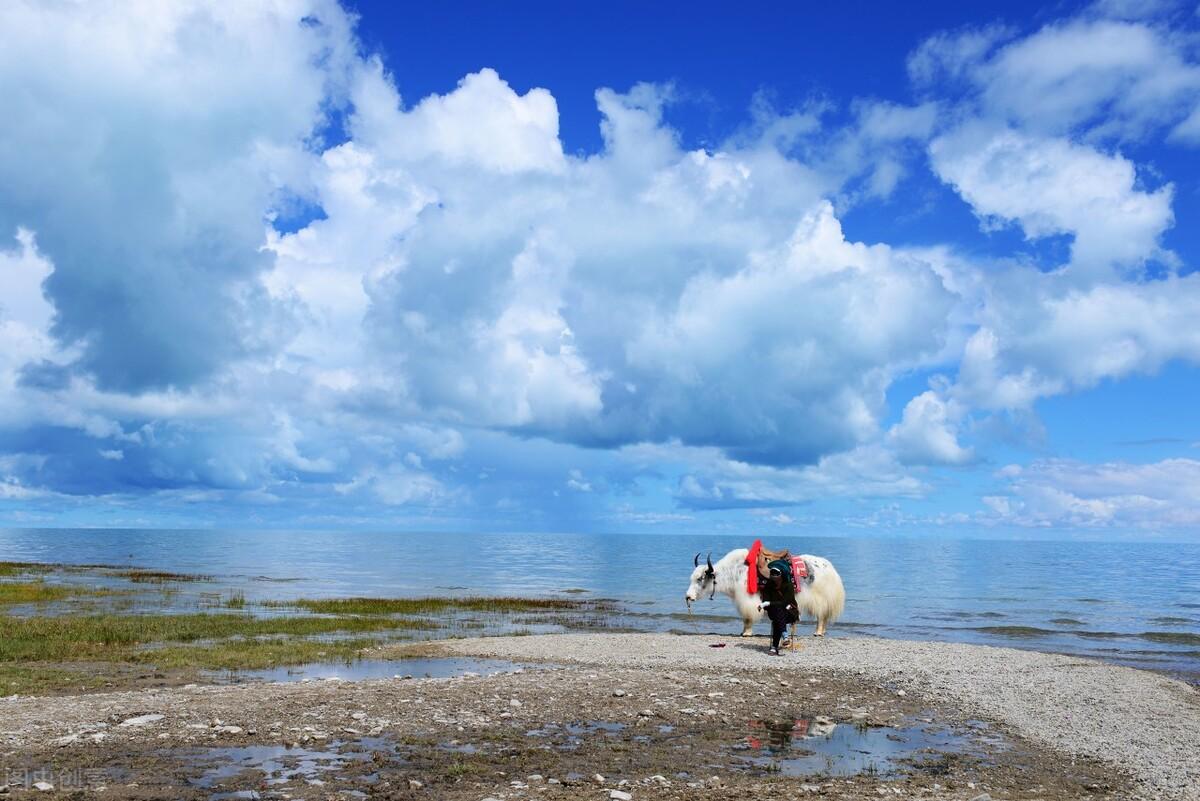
(820, 746)
(277, 765)
(439, 668)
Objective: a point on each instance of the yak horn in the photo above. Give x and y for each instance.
(707, 559)
(696, 561)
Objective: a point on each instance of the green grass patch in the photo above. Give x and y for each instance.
(117, 638)
(37, 679)
(254, 654)
(34, 592)
(23, 568)
(430, 606)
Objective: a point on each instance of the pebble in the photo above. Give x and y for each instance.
(619, 693)
(414, 784)
(141, 720)
(982, 797)
(514, 703)
(598, 779)
(620, 795)
(43, 787)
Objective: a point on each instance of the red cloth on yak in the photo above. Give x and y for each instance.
(799, 572)
(752, 563)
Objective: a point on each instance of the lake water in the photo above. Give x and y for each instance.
(1132, 603)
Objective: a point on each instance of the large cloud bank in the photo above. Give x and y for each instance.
(241, 265)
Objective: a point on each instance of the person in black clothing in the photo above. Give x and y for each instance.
(778, 598)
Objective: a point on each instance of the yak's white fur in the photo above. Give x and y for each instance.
(824, 599)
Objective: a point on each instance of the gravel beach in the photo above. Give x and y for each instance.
(608, 715)
(1138, 721)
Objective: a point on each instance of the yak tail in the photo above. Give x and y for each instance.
(827, 597)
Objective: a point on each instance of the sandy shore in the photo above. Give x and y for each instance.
(651, 715)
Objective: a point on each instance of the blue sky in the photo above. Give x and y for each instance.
(472, 266)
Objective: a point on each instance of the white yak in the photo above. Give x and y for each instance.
(823, 598)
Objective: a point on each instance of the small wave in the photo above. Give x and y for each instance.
(1101, 635)
(1014, 631)
(1067, 621)
(1171, 621)
(1172, 637)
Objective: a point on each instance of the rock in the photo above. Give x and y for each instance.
(598, 779)
(414, 784)
(43, 787)
(514, 703)
(646, 713)
(359, 715)
(619, 693)
(982, 797)
(141, 720)
(620, 795)
(901, 693)
(534, 777)
(229, 730)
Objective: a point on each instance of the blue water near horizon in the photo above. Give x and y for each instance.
(1131, 603)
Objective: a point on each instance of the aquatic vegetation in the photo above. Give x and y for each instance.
(23, 568)
(32, 592)
(140, 576)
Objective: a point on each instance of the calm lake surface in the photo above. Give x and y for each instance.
(1132, 603)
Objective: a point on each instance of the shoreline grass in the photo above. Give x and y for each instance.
(117, 638)
(143, 576)
(34, 592)
(89, 645)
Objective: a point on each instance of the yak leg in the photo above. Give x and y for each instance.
(747, 627)
(820, 632)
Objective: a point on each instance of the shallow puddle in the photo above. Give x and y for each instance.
(279, 764)
(820, 746)
(572, 735)
(439, 668)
